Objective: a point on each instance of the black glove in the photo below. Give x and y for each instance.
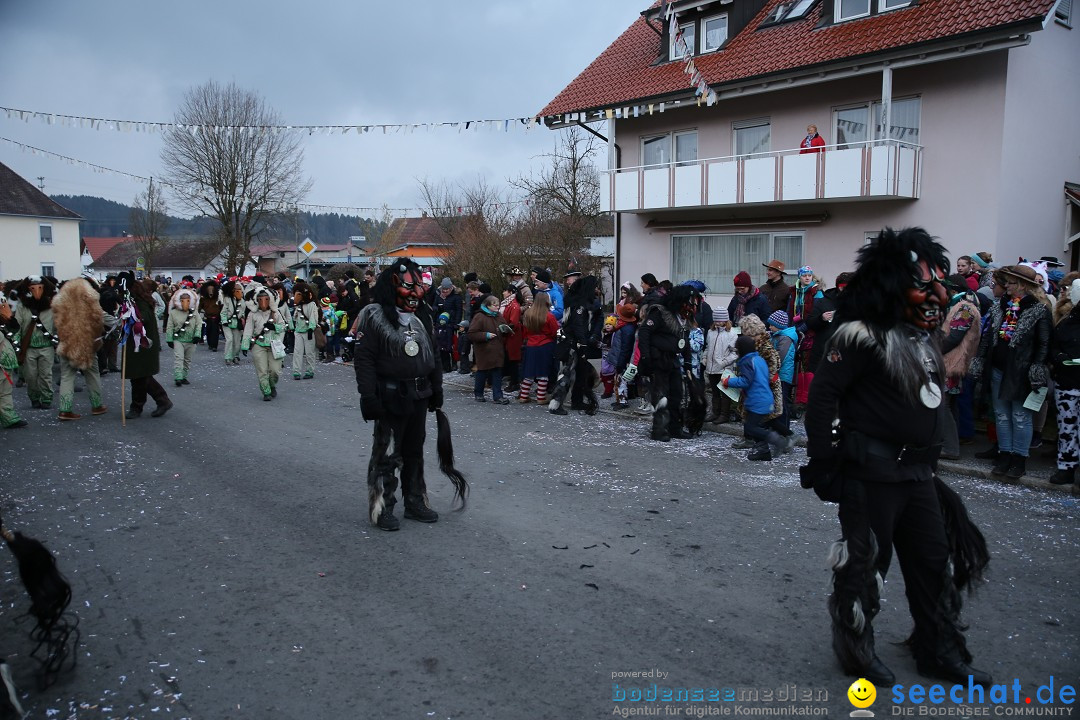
(371, 407)
(310, 334)
(198, 341)
(169, 343)
(823, 477)
(436, 400)
(268, 325)
(643, 367)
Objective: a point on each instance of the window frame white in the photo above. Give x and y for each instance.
(41, 234)
(738, 125)
(718, 282)
(690, 45)
(705, 48)
(839, 8)
(889, 5)
(655, 136)
(672, 148)
(675, 136)
(871, 108)
(48, 270)
(1064, 18)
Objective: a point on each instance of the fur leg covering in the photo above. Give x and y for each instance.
(378, 467)
(565, 381)
(967, 546)
(661, 417)
(856, 596)
(697, 405)
(445, 446)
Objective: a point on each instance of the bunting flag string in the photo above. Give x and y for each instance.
(697, 78)
(286, 207)
(140, 126)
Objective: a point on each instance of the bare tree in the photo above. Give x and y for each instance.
(227, 161)
(480, 224)
(564, 203)
(149, 221)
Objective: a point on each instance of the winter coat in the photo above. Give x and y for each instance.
(232, 312)
(451, 305)
(776, 293)
(177, 318)
(1027, 353)
(555, 293)
(821, 328)
(305, 317)
(662, 341)
(512, 317)
(786, 341)
(756, 304)
(546, 335)
(488, 352)
(720, 351)
(146, 362)
(753, 379)
(1065, 345)
(256, 323)
(801, 304)
(622, 346)
(696, 339)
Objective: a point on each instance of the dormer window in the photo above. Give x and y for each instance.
(853, 9)
(715, 33)
(688, 35)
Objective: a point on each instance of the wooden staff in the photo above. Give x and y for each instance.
(123, 372)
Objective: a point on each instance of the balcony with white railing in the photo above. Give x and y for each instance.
(878, 169)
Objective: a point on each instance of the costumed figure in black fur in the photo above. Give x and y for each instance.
(583, 326)
(874, 427)
(399, 378)
(664, 344)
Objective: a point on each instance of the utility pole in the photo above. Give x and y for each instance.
(41, 183)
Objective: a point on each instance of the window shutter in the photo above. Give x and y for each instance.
(1064, 10)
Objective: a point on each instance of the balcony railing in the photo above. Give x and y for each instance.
(878, 169)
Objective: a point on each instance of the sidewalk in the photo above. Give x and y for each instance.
(1040, 465)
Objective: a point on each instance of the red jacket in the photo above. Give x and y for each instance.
(512, 314)
(814, 144)
(545, 336)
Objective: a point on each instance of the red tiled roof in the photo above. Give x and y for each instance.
(416, 231)
(98, 246)
(624, 71)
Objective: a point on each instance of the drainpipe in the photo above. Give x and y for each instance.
(886, 102)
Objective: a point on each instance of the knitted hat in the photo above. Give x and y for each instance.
(743, 280)
(627, 312)
(446, 283)
(779, 319)
(745, 344)
(444, 318)
(325, 302)
(544, 276)
(806, 270)
(720, 315)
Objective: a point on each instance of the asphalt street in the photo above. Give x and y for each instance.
(223, 565)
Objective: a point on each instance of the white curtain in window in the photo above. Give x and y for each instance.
(716, 259)
(715, 32)
(686, 147)
(851, 126)
(752, 139)
(656, 150)
(905, 120)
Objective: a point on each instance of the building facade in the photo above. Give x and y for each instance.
(955, 115)
(37, 235)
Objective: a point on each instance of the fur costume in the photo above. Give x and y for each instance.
(399, 379)
(874, 432)
(583, 323)
(79, 322)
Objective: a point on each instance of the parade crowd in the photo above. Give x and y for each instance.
(660, 349)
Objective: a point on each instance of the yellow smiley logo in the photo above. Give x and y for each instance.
(862, 693)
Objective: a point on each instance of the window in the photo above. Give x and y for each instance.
(800, 9)
(892, 4)
(656, 149)
(686, 147)
(752, 137)
(849, 9)
(689, 32)
(791, 10)
(852, 125)
(715, 31)
(45, 233)
(48, 270)
(715, 259)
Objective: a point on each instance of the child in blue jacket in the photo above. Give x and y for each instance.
(753, 379)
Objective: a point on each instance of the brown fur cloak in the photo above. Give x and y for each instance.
(79, 322)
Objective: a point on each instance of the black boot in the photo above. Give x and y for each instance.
(955, 671)
(1063, 477)
(878, 674)
(760, 452)
(416, 509)
(989, 454)
(1016, 467)
(463, 367)
(387, 521)
(1002, 464)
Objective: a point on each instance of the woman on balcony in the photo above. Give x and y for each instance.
(812, 143)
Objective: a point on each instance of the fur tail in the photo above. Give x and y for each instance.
(49, 592)
(445, 447)
(697, 406)
(967, 546)
(376, 503)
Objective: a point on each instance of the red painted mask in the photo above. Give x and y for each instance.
(409, 291)
(927, 298)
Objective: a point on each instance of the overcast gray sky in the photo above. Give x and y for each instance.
(315, 63)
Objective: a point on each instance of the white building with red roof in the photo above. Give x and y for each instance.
(956, 115)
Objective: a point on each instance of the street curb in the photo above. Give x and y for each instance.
(958, 467)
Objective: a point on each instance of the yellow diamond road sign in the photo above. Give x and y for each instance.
(307, 247)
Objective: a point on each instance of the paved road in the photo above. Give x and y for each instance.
(223, 567)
